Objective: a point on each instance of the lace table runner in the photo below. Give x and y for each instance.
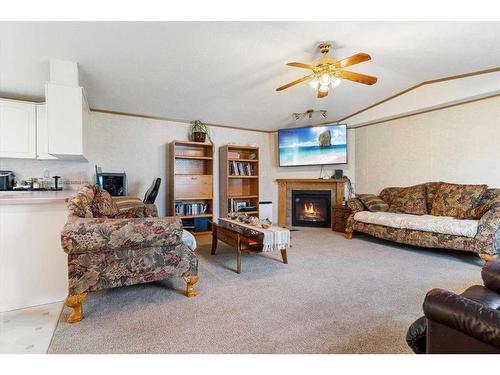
(275, 238)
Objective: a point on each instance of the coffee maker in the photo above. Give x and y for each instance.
(7, 180)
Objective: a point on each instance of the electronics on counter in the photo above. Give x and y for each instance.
(8, 183)
(7, 180)
(38, 184)
(114, 183)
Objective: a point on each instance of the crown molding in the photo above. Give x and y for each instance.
(476, 73)
(23, 98)
(97, 110)
(438, 108)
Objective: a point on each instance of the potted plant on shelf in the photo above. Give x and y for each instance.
(199, 131)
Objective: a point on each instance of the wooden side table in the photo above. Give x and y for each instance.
(340, 213)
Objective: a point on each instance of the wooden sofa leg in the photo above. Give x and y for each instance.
(76, 303)
(348, 234)
(487, 257)
(190, 281)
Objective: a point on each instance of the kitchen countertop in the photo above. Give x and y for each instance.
(35, 197)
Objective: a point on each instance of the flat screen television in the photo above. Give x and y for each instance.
(314, 145)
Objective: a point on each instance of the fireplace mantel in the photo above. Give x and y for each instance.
(285, 184)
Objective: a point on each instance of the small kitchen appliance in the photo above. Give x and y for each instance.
(7, 180)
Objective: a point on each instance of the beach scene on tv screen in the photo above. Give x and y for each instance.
(315, 145)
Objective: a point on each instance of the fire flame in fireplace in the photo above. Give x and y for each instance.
(310, 210)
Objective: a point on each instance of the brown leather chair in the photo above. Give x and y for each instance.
(460, 324)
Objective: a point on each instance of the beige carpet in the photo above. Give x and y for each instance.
(334, 296)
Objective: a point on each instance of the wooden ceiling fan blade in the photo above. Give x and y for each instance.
(297, 81)
(302, 65)
(322, 94)
(357, 77)
(352, 60)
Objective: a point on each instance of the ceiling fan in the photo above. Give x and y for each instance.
(328, 71)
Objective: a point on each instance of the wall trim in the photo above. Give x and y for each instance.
(446, 106)
(479, 72)
(23, 98)
(97, 110)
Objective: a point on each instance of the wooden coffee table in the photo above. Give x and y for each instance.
(241, 239)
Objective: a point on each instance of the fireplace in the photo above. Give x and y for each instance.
(311, 208)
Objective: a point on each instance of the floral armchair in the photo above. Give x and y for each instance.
(108, 247)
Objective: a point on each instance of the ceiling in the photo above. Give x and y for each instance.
(226, 72)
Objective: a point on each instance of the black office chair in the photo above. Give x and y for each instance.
(150, 196)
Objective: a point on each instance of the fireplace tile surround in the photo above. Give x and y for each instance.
(285, 186)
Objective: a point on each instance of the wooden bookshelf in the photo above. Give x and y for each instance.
(238, 182)
(245, 160)
(194, 157)
(191, 182)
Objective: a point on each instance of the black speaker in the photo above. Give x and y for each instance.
(339, 174)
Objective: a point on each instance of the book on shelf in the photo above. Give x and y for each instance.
(233, 155)
(234, 169)
(241, 169)
(190, 208)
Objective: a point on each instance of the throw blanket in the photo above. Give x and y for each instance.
(126, 202)
(189, 239)
(275, 238)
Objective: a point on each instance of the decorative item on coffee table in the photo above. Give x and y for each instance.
(239, 179)
(191, 184)
(340, 213)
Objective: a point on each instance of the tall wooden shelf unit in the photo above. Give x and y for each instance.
(235, 188)
(191, 182)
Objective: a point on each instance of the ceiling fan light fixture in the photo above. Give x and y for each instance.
(328, 72)
(325, 79)
(336, 81)
(314, 83)
(323, 88)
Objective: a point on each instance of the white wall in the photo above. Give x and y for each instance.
(459, 144)
(139, 147)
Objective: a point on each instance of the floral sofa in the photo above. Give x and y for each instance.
(110, 247)
(434, 215)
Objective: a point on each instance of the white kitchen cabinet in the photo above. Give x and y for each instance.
(33, 266)
(42, 136)
(17, 129)
(67, 121)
